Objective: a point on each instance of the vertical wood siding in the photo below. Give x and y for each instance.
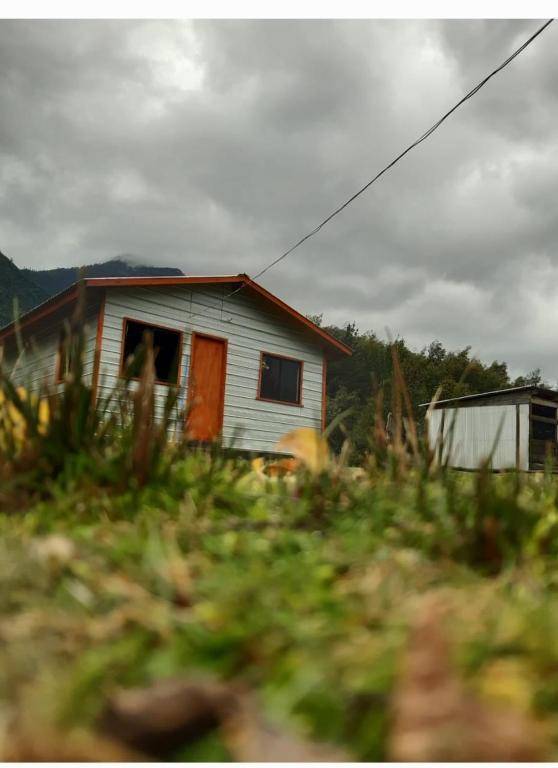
(475, 432)
(250, 325)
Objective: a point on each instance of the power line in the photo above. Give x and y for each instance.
(422, 138)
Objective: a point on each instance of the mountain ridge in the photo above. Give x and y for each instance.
(30, 287)
(52, 281)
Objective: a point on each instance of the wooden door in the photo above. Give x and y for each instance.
(206, 387)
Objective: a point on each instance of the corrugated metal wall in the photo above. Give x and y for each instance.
(524, 436)
(250, 325)
(475, 432)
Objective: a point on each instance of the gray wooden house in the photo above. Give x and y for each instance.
(517, 425)
(249, 366)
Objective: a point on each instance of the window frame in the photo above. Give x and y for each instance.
(121, 371)
(297, 404)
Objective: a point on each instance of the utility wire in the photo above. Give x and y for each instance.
(422, 138)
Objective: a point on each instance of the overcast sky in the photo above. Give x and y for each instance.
(213, 146)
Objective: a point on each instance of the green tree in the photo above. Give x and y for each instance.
(354, 383)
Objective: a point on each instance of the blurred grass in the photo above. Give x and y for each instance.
(120, 567)
(122, 589)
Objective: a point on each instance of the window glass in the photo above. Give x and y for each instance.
(166, 346)
(280, 379)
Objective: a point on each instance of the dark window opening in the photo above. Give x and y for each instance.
(547, 411)
(543, 430)
(166, 346)
(280, 379)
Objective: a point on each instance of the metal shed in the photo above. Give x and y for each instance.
(517, 425)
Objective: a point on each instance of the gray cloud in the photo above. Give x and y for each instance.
(214, 145)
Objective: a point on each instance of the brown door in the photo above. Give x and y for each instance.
(206, 388)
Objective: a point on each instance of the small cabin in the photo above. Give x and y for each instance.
(517, 426)
(248, 367)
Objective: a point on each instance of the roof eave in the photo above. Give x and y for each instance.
(332, 346)
(550, 393)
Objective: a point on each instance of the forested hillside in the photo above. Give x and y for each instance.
(32, 286)
(55, 280)
(16, 286)
(354, 383)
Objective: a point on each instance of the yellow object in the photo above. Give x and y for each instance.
(507, 681)
(13, 423)
(307, 445)
(258, 466)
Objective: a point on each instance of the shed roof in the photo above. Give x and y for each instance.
(70, 294)
(533, 389)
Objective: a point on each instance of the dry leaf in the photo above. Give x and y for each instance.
(166, 715)
(173, 713)
(309, 446)
(282, 467)
(279, 468)
(251, 739)
(435, 718)
(122, 586)
(54, 549)
(177, 573)
(49, 746)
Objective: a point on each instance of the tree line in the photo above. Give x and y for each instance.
(353, 383)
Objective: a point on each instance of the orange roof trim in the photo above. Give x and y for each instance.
(71, 293)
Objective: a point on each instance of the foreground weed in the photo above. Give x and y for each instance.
(64, 432)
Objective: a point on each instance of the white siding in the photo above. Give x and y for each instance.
(524, 436)
(250, 325)
(38, 362)
(475, 435)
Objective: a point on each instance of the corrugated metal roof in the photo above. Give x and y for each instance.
(549, 394)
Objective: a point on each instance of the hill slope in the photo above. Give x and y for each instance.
(53, 281)
(33, 286)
